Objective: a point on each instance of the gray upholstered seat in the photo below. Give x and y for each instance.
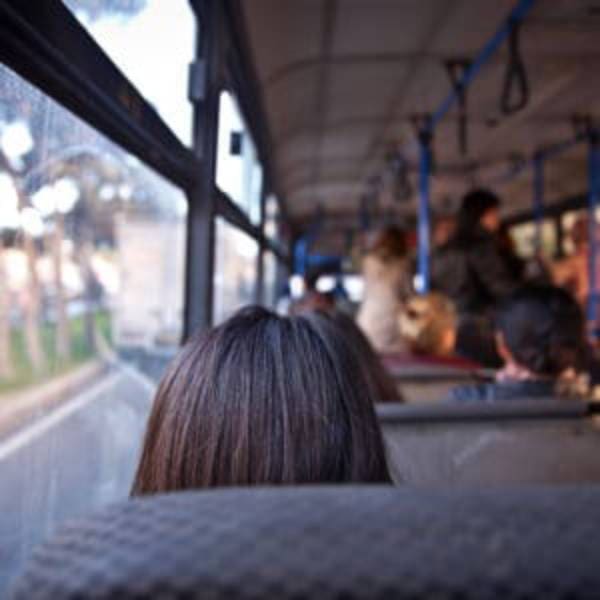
(504, 443)
(329, 542)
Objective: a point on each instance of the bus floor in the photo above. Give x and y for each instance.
(77, 458)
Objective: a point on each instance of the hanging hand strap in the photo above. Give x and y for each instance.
(515, 92)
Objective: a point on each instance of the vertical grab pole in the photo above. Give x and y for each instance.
(205, 87)
(300, 256)
(593, 203)
(538, 198)
(423, 281)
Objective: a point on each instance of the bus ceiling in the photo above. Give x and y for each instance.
(350, 88)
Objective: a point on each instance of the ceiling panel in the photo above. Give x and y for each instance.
(383, 26)
(362, 90)
(337, 103)
(292, 102)
(283, 32)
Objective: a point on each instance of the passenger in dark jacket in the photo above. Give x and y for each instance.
(540, 336)
(472, 270)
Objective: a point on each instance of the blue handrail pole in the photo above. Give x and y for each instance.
(302, 247)
(518, 14)
(324, 261)
(300, 256)
(545, 153)
(593, 204)
(423, 249)
(538, 198)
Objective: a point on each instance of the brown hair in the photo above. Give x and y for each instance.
(543, 328)
(262, 399)
(428, 323)
(388, 244)
(384, 388)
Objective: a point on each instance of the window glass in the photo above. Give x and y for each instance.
(269, 279)
(272, 217)
(524, 237)
(239, 173)
(236, 256)
(152, 42)
(91, 288)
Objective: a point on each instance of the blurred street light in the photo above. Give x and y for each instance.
(9, 203)
(60, 196)
(16, 141)
(31, 222)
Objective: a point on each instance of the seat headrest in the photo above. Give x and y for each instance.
(328, 542)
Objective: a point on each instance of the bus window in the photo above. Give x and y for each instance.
(236, 260)
(91, 287)
(239, 173)
(272, 217)
(153, 44)
(569, 220)
(269, 296)
(524, 237)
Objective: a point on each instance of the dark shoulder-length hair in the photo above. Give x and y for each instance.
(262, 399)
(474, 206)
(382, 385)
(544, 329)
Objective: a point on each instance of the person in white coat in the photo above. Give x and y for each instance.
(386, 272)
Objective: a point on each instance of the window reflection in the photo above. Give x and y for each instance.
(236, 256)
(152, 42)
(91, 283)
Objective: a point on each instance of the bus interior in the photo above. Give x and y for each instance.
(166, 163)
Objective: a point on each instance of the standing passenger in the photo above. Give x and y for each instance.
(472, 270)
(386, 275)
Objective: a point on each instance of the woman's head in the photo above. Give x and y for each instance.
(479, 208)
(541, 329)
(387, 244)
(262, 400)
(428, 324)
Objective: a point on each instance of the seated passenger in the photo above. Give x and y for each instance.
(386, 273)
(427, 325)
(540, 336)
(312, 298)
(263, 399)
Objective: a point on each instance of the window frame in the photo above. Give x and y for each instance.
(46, 45)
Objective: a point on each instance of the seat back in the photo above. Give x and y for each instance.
(423, 383)
(528, 441)
(328, 542)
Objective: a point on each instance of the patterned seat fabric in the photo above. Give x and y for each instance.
(329, 542)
